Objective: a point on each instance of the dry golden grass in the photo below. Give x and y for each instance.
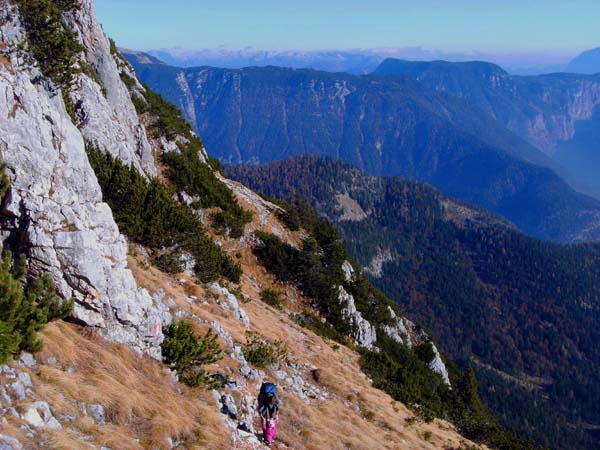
(144, 406)
(356, 416)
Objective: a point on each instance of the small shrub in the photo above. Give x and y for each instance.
(54, 46)
(323, 329)
(428, 435)
(187, 353)
(25, 310)
(271, 297)
(114, 51)
(261, 352)
(128, 81)
(147, 213)
(239, 295)
(168, 262)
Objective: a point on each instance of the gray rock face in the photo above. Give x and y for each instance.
(405, 331)
(437, 365)
(365, 333)
(398, 331)
(98, 413)
(17, 389)
(248, 411)
(348, 271)
(107, 114)
(232, 303)
(54, 210)
(39, 415)
(9, 443)
(28, 360)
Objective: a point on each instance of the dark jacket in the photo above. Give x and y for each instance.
(269, 411)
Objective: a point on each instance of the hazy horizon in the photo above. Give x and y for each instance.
(547, 32)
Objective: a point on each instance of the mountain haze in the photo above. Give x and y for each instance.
(556, 113)
(383, 126)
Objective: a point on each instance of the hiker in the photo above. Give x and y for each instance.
(268, 408)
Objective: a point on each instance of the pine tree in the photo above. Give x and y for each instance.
(186, 352)
(24, 311)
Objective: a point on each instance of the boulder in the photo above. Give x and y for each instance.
(39, 415)
(9, 443)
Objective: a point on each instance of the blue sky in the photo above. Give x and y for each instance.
(454, 25)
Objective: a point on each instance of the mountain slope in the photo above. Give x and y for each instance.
(179, 302)
(549, 111)
(522, 311)
(587, 62)
(393, 127)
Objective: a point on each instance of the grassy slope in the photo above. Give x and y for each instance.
(144, 403)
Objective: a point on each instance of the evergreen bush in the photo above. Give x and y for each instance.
(187, 353)
(271, 297)
(53, 45)
(148, 214)
(25, 310)
(261, 352)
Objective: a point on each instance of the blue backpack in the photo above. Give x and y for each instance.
(267, 390)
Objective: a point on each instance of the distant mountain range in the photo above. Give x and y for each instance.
(522, 311)
(389, 125)
(357, 61)
(587, 62)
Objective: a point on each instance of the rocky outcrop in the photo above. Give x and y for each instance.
(54, 211)
(231, 303)
(407, 333)
(398, 331)
(402, 330)
(375, 268)
(9, 443)
(364, 333)
(437, 365)
(105, 111)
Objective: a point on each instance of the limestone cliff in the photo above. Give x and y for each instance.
(54, 212)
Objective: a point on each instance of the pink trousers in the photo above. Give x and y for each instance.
(270, 433)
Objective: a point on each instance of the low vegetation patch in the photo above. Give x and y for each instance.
(321, 327)
(261, 352)
(185, 169)
(148, 214)
(187, 353)
(25, 308)
(271, 297)
(52, 44)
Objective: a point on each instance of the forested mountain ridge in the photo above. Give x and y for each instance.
(557, 113)
(383, 126)
(522, 311)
